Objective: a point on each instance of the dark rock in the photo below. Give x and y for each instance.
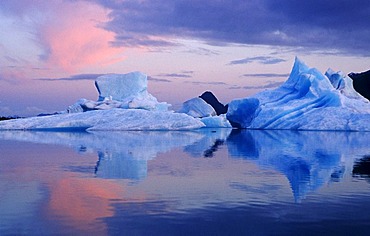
(362, 167)
(5, 118)
(361, 83)
(48, 114)
(211, 99)
(9, 117)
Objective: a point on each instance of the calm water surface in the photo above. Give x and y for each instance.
(208, 182)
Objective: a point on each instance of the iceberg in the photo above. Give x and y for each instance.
(198, 108)
(127, 91)
(216, 121)
(124, 103)
(112, 119)
(121, 86)
(204, 108)
(308, 100)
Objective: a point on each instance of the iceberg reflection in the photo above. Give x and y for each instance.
(307, 159)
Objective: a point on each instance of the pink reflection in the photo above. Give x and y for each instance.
(83, 201)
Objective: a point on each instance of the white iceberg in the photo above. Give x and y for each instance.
(197, 107)
(306, 101)
(121, 86)
(216, 121)
(112, 119)
(127, 91)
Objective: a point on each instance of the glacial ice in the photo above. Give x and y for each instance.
(198, 108)
(112, 119)
(121, 86)
(127, 91)
(216, 121)
(308, 100)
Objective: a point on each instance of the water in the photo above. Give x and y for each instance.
(209, 182)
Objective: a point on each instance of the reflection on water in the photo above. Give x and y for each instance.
(129, 176)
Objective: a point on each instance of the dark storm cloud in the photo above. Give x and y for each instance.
(315, 25)
(263, 60)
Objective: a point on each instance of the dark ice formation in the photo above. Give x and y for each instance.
(361, 83)
(211, 99)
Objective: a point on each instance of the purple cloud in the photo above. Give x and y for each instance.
(266, 75)
(316, 25)
(74, 77)
(262, 60)
(270, 85)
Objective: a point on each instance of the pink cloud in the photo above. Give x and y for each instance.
(73, 40)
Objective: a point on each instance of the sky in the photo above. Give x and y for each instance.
(52, 51)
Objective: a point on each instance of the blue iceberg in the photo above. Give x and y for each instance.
(308, 100)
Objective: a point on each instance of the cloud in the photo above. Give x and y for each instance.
(74, 77)
(176, 75)
(267, 60)
(202, 51)
(150, 78)
(271, 84)
(73, 38)
(266, 75)
(206, 83)
(65, 36)
(318, 24)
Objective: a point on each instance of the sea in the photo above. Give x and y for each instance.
(200, 182)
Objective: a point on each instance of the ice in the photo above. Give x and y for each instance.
(344, 84)
(216, 121)
(121, 86)
(131, 89)
(308, 100)
(126, 91)
(197, 107)
(111, 119)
